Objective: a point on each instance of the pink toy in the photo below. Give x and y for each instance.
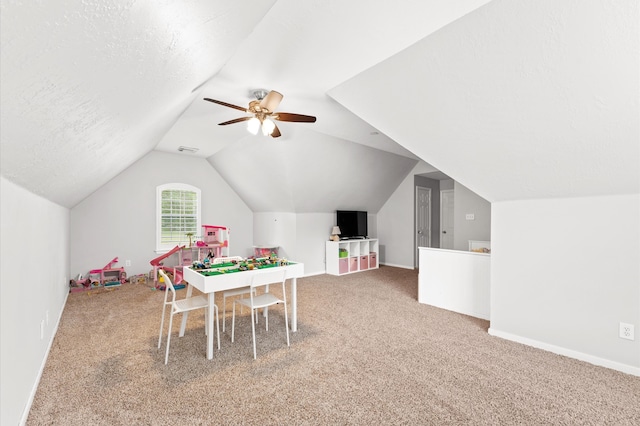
(215, 242)
(100, 276)
(176, 270)
(108, 276)
(216, 238)
(79, 284)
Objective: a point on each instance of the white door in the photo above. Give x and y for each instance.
(423, 219)
(446, 219)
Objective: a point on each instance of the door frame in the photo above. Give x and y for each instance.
(442, 206)
(415, 221)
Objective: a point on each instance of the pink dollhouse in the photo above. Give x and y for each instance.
(215, 238)
(214, 243)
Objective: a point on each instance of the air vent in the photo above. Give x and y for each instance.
(187, 149)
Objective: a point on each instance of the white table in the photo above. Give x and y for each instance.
(210, 284)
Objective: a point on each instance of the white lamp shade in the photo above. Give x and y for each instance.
(253, 125)
(267, 127)
(335, 230)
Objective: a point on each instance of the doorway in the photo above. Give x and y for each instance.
(423, 220)
(446, 218)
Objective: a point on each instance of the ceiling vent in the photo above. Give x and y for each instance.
(187, 149)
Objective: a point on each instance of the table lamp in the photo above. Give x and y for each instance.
(335, 233)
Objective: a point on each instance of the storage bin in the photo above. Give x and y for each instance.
(353, 264)
(364, 262)
(263, 251)
(343, 266)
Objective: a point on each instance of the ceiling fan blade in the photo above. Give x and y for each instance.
(235, 120)
(226, 104)
(271, 101)
(299, 118)
(276, 132)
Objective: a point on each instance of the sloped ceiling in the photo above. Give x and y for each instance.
(519, 99)
(335, 173)
(515, 99)
(90, 87)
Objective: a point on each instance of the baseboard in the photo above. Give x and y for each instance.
(398, 266)
(32, 395)
(628, 369)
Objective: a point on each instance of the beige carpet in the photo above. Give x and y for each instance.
(366, 353)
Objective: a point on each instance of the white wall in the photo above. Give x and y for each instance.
(468, 202)
(313, 230)
(119, 219)
(565, 273)
(301, 236)
(309, 174)
(276, 230)
(517, 99)
(395, 222)
(456, 280)
(34, 280)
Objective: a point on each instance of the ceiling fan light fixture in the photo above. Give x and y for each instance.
(253, 125)
(267, 127)
(264, 112)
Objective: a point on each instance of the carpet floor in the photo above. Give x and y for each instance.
(366, 353)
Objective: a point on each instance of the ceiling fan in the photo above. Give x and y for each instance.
(263, 113)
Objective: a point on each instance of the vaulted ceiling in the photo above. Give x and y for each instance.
(514, 99)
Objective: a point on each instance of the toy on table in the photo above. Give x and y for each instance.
(239, 265)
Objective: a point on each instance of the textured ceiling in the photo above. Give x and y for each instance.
(515, 99)
(90, 87)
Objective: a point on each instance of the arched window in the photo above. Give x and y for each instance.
(178, 214)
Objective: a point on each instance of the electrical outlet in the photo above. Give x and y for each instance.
(626, 331)
(127, 262)
(470, 216)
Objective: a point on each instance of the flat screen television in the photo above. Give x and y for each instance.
(352, 224)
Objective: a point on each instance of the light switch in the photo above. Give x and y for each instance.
(470, 216)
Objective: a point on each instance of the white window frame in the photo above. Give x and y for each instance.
(184, 240)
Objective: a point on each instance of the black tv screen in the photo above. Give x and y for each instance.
(352, 224)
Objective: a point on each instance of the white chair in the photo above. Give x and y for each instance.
(232, 292)
(181, 306)
(264, 300)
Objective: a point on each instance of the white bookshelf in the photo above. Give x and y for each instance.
(361, 255)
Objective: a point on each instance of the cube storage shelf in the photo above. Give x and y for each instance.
(349, 256)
